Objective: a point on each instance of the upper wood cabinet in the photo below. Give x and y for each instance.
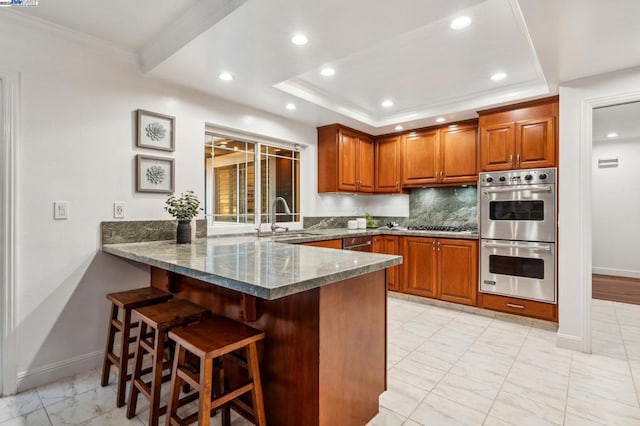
(387, 165)
(522, 136)
(420, 156)
(345, 160)
(445, 155)
(458, 154)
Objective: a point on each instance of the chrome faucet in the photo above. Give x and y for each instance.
(274, 227)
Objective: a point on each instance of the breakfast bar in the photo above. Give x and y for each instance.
(323, 360)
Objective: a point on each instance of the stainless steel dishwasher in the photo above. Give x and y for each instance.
(357, 243)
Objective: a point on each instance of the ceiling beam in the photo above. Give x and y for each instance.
(193, 22)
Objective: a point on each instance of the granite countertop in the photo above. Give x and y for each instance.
(256, 266)
(311, 235)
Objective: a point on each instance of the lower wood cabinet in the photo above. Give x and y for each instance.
(445, 269)
(512, 305)
(390, 244)
(334, 244)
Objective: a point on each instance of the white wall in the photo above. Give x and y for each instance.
(573, 260)
(77, 144)
(616, 209)
(327, 205)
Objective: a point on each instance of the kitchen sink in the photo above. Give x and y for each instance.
(288, 235)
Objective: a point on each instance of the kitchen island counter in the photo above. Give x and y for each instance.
(324, 313)
(255, 266)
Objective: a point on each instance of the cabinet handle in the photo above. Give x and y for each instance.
(438, 243)
(397, 185)
(518, 159)
(511, 160)
(511, 305)
(433, 245)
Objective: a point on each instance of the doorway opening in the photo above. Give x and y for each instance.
(615, 230)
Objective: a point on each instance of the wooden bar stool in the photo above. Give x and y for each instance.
(160, 319)
(127, 301)
(210, 340)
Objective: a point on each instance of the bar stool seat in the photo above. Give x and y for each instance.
(160, 319)
(127, 301)
(210, 340)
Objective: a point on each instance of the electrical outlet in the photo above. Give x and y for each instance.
(60, 210)
(119, 210)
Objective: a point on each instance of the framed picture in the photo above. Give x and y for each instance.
(156, 131)
(154, 174)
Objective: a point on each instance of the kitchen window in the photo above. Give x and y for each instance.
(242, 178)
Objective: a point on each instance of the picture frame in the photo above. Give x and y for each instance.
(155, 174)
(155, 130)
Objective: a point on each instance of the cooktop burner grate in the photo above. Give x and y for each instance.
(438, 228)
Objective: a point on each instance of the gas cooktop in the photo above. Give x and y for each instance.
(438, 228)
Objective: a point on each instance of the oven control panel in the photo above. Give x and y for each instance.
(518, 177)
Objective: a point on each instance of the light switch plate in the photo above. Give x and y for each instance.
(119, 210)
(60, 210)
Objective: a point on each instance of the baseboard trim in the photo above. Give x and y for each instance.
(571, 342)
(58, 370)
(616, 272)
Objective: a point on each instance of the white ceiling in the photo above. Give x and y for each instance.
(127, 23)
(402, 50)
(622, 119)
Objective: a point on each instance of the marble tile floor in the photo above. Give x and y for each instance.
(445, 367)
(451, 367)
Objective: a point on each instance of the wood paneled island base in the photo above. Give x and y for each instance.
(323, 361)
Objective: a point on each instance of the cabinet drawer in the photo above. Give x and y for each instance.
(512, 305)
(334, 244)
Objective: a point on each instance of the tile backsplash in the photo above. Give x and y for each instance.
(447, 206)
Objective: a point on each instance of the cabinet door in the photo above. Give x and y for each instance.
(535, 143)
(387, 164)
(458, 270)
(364, 161)
(394, 274)
(420, 153)
(497, 147)
(420, 272)
(458, 155)
(377, 244)
(347, 160)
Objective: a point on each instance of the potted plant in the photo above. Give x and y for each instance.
(183, 208)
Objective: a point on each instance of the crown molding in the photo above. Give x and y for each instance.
(50, 28)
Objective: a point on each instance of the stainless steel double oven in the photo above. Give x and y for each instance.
(518, 234)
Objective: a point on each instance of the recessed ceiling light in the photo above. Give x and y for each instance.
(225, 76)
(327, 71)
(290, 106)
(460, 22)
(387, 103)
(440, 120)
(399, 127)
(299, 39)
(498, 76)
(612, 135)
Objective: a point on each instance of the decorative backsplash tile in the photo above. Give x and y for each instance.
(136, 231)
(448, 206)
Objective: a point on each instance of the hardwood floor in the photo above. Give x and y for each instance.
(617, 289)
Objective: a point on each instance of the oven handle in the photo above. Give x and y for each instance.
(517, 246)
(488, 191)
